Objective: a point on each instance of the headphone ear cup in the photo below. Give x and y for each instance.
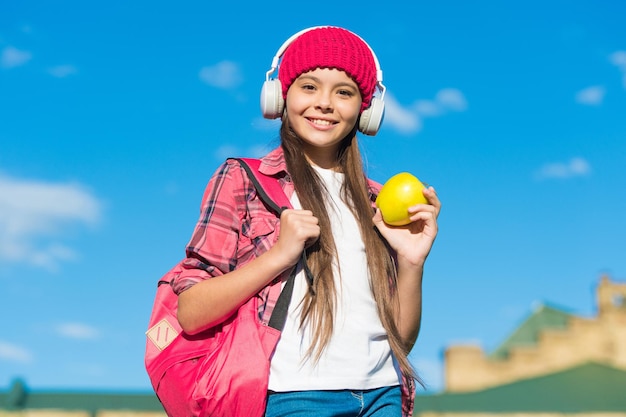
(272, 102)
(372, 117)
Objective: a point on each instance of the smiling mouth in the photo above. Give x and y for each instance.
(321, 122)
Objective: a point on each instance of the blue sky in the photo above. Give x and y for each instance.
(113, 116)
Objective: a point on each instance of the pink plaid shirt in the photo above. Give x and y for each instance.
(235, 227)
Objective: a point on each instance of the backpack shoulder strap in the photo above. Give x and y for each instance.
(273, 196)
(267, 187)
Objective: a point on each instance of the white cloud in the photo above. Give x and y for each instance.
(402, 119)
(225, 74)
(33, 215)
(77, 331)
(591, 96)
(446, 100)
(62, 71)
(12, 57)
(618, 59)
(427, 108)
(575, 167)
(14, 353)
(409, 119)
(451, 99)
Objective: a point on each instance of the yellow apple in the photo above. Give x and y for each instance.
(400, 192)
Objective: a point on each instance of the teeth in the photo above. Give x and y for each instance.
(321, 122)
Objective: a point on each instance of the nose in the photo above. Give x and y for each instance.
(324, 101)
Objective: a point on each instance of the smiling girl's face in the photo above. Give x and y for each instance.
(323, 107)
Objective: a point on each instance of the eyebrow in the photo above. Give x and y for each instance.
(341, 84)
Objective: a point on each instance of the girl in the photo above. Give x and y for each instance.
(343, 351)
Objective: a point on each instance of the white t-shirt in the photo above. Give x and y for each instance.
(358, 355)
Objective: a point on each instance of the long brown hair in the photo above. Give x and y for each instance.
(319, 304)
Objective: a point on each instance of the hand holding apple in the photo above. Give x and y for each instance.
(400, 192)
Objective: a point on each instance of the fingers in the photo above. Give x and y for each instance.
(301, 225)
(298, 229)
(427, 213)
(433, 199)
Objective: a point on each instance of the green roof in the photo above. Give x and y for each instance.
(591, 387)
(527, 334)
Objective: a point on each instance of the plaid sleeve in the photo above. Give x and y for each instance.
(212, 249)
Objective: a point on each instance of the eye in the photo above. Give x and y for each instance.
(345, 92)
(309, 87)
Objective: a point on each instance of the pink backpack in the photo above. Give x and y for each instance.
(224, 370)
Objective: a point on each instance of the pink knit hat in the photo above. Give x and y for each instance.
(330, 47)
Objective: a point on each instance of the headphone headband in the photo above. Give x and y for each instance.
(285, 45)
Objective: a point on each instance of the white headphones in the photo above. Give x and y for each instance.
(272, 103)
